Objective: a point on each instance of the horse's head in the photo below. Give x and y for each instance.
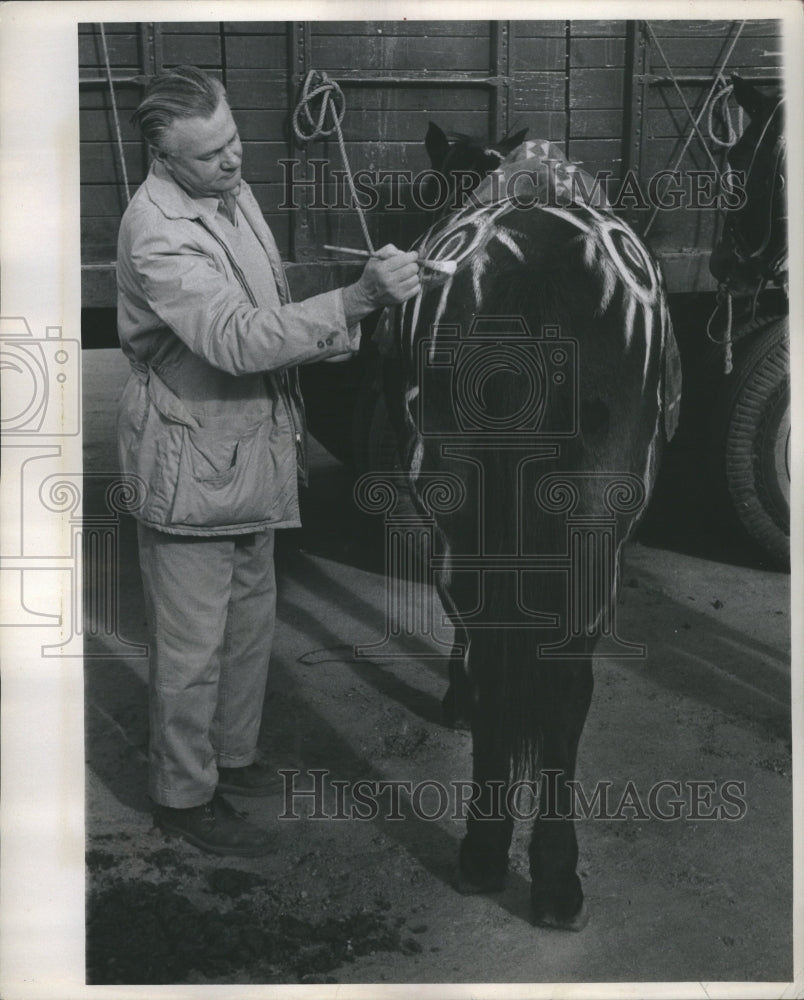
(465, 160)
(753, 248)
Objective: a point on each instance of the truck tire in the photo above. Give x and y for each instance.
(752, 437)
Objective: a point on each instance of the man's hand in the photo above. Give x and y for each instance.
(390, 277)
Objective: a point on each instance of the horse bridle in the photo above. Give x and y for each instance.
(742, 252)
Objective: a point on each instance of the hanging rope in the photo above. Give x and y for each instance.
(695, 120)
(322, 99)
(732, 135)
(115, 115)
(723, 294)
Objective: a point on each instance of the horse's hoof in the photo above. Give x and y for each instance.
(576, 923)
(468, 887)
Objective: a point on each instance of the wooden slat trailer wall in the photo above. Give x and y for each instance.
(601, 89)
(629, 98)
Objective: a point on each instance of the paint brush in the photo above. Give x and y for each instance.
(443, 266)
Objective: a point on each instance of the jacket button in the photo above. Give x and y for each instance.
(321, 345)
(329, 341)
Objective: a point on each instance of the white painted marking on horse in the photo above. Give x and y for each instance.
(478, 266)
(442, 305)
(416, 460)
(504, 237)
(630, 314)
(648, 321)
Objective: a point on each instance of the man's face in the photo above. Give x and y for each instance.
(204, 154)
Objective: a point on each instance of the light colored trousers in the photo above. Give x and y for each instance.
(211, 606)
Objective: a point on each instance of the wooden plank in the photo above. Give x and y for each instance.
(110, 27)
(591, 53)
(691, 56)
(543, 91)
(538, 29)
(404, 98)
(602, 29)
(260, 126)
(412, 126)
(189, 27)
(659, 98)
(123, 51)
(103, 200)
(546, 53)
(195, 50)
(99, 163)
(342, 228)
(541, 124)
(258, 89)
(713, 29)
(683, 228)
(664, 152)
(597, 154)
(98, 126)
(669, 123)
(255, 28)
(597, 88)
(400, 54)
(250, 51)
(97, 99)
(587, 123)
(448, 29)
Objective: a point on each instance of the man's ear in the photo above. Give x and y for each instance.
(158, 154)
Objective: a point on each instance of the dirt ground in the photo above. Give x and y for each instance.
(372, 901)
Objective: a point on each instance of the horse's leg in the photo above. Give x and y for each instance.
(556, 893)
(489, 826)
(456, 706)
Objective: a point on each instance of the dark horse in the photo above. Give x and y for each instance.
(753, 249)
(535, 388)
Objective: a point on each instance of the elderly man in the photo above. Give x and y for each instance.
(212, 422)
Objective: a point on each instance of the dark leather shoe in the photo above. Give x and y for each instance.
(253, 779)
(215, 827)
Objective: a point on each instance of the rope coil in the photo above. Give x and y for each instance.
(310, 123)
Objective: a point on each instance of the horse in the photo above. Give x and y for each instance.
(536, 386)
(752, 252)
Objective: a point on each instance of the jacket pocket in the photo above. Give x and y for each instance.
(227, 480)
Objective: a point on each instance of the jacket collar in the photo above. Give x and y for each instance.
(174, 202)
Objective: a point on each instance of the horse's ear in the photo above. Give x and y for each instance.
(511, 141)
(748, 97)
(436, 144)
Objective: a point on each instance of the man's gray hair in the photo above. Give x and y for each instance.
(183, 92)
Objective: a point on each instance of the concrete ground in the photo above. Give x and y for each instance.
(692, 899)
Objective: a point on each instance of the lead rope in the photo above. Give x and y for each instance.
(115, 116)
(722, 294)
(318, 85)
(732, 134)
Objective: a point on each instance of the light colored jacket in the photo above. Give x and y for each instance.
(211, 419)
